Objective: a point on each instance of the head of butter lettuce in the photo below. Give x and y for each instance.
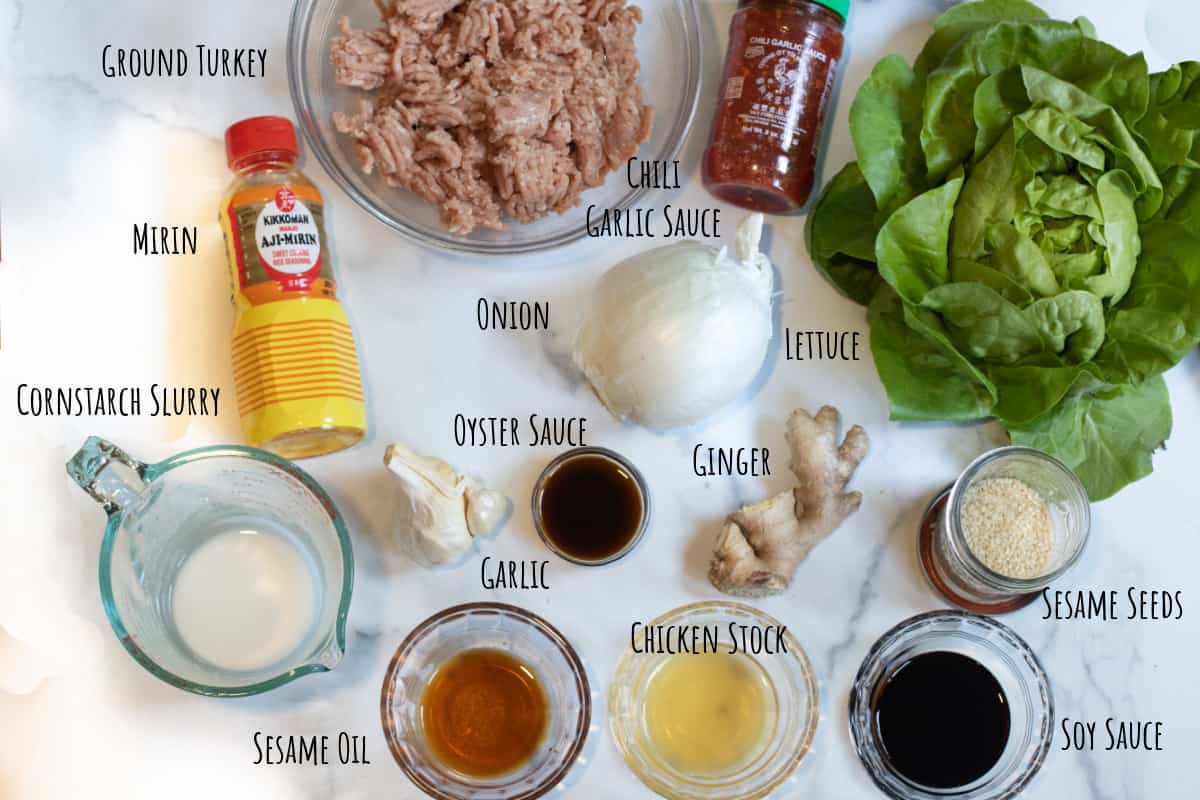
(1023, 222)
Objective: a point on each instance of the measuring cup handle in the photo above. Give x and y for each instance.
(91, 468)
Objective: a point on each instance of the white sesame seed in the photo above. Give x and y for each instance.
(1007, 526)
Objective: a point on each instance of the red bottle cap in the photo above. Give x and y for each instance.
(256, 134)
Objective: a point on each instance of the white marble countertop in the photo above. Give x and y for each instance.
(85, 157)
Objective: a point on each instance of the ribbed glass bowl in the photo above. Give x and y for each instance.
(668, 47)
(494, 626)
(1011, 662)
(795, 724)
(620, 462)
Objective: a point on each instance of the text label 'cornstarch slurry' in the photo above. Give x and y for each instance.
(118, 401)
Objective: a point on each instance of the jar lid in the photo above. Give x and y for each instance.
(256, 134)
(841, 7)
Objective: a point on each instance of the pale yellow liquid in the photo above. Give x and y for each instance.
(709, 714)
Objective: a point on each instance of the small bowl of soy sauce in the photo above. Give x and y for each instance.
(591, 506)
(951, 705)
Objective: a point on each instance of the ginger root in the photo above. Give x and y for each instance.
(761, 545)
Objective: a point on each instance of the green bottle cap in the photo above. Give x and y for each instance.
(842, 7)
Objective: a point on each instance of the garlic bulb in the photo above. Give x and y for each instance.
(440, 509)
(676, 333)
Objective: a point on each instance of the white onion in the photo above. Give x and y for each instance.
(675, 333)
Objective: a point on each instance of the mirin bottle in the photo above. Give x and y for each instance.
(295, 363)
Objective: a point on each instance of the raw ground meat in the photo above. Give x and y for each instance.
(494, 108)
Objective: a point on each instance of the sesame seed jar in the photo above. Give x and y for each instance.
(957, 571)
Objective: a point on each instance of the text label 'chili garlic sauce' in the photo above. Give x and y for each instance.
(779, 75)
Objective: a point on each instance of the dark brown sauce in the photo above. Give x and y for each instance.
(484, 712)
(943, 720)
(591, 507)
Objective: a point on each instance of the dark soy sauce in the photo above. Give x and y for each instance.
(942, 719)
(591, 507)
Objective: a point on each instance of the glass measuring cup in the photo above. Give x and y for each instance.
(160, 515)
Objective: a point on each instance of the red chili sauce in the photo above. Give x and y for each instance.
(779, 74)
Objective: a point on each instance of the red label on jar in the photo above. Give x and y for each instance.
(779, 90)
(779, 74)
(285, 199)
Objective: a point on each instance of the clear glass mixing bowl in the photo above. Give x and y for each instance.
(668, 46)
(1011, 662)
(797, 711)
(495, 626)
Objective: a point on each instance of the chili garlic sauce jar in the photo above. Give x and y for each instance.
(779, 74)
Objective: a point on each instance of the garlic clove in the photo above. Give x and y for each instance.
(417, 470)
(486, 509)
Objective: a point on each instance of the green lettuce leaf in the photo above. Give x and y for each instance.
(1171, 124)
(885, 121)
(964, 19)
(1019, 257)
(1122, 242)
(1023, 222)
(1158, 321)
(1071, 324)
(912, 246)
(926, 378)
(983, 324)
(1028, 391)
(1106, 437)
(841, 235)
(948, 120)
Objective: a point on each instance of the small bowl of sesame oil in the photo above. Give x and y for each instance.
(486, 701)
(1015, 520)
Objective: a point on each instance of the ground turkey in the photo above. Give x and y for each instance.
(494, 109)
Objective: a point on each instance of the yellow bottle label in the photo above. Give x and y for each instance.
(295, 363)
